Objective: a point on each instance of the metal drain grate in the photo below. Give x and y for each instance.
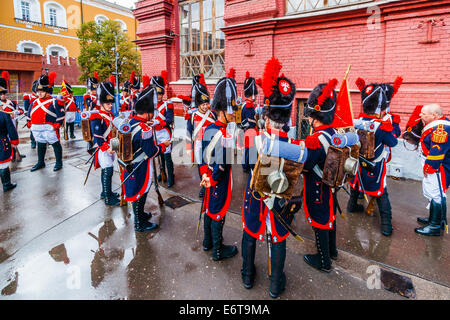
(176, 202)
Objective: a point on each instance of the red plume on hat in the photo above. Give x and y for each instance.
(165, 76)
(232, 73)
(5, 75)
(397, 83)
(132, 77)
(360, 83)
(145, 80)
(202, 79)
(414, 117)
(51, 78)
(112, 79)
(96, 75)
(247, 75)
(270, 76)
(259, 82)
(327, 91)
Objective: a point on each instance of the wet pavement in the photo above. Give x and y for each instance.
(59, 241)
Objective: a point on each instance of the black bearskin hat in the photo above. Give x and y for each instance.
(46, 82)
(414, 127)
(105, 92)
(225, 94)
(146, 101)
(321, 104)
(279, 93)
(135, 83)
(250, 89)
(69, 88)
(34, 86)
(92, 82)
(199, 91)
(4, 82)
(126, 86)
(160, 82)
(376, 97)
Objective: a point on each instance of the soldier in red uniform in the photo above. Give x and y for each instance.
(46, 117)
(71, 111)
(90, 98)
(28, 99)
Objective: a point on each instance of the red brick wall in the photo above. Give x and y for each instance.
(65, 70)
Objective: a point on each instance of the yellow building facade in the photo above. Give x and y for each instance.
(49, 27)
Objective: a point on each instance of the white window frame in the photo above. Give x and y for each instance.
(316, 5)
(100, 18)
(27, 44)
(35, 11)
(61, 15)
(28, 16)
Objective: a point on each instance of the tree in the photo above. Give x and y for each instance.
(97, 51)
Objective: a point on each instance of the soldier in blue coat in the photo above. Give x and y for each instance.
(144, 149)
(216, 170)
(434, 149)
(318, 199)
(257, 219)
(248, 118)
(372, 180)
(8, 138)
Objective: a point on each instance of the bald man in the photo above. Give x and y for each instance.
(435, 157)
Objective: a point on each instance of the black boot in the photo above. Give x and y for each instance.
(434, 227)
(352, 205)
(141, 223)
(170, 174)
(384, 206)
(72, 128)
(102, 195)
(41, 149)
(332, 243)
(207, 233)
(277, 277)
(33, 142)
(219, 250)
(57, 148)
(248, 270)
(107, 185)
(321, 260)
(5, 176)
(424, 220)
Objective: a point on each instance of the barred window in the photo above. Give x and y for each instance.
(202, 43)
(25, 6)
(294, 6)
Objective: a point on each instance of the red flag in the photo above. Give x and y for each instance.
(343, 117)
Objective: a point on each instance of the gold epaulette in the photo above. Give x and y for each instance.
(439, 135)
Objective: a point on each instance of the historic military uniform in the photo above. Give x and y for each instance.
(197, 122)
(145, 149)
(28, 99)
(71, 111)
(372, 180)
(8, 139)
(90, 98)
(216, 165)
(164, 118)
(125, 99)
(101, 127)
(434, 149)
(135, 87)
(46, 117)
(257, 218)
(248, 123)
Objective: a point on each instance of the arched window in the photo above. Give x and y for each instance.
(27, 11)
(28, 46)
(100, 18)
(123, 25)
(55, 15)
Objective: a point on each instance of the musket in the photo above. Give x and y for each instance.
(155, 181)
(90, 167)
(335, 199)
(199, 217)
(269, 252)
(131, 173)
(162, 172)
(443, 204)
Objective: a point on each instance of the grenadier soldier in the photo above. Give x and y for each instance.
(164, 118)
(125, 97)
(135, 87)
(8, 139)
(216, 170)
(101, 126)
(46, 117)
(71, 110)
(248, 117)
(197, 124)
(189, 102)
(28, 100)
(318, 199)
(371, 180)
(257, 218)
(145, 149)
(435, 146)
(12, 108)
(90, 98)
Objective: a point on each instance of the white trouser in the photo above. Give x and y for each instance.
(4, 165)
(430, 186)
(106, 160)
(44, 133)
(163, 135)
(70, 116)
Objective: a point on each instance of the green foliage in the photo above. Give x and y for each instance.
(76, 90)
(97, 54)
